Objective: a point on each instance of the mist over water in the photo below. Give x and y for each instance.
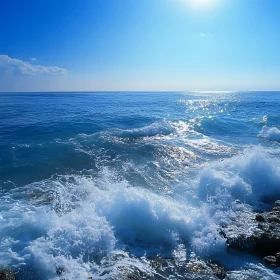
(103, 184)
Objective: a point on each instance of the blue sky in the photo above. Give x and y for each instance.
(87, 45)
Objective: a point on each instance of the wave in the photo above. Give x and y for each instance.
(250, 177)
(270, 133)
(178, 135)
(230, 189)
(157, 128)
(218, 126)
(89, 226)
(78, 221)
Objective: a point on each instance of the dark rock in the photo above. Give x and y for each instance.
(270, 261)
(259, 218)
(206, 269)
(126, 273)
(218, 271)
(59, 270)
(264, 239)
(241, 241)
(267, 236)
(132, 276)
(6, 274)
(278, 259)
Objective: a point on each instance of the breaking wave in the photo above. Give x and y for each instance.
(157, 128)
(131, 186)
(270, 133)
(72, 224)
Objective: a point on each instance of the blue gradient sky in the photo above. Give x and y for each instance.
(51, 45)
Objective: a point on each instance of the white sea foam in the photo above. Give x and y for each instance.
(252, 271)
(73, 233)
(84, 226)
(230, 189)
(251, 176)
(270, 133)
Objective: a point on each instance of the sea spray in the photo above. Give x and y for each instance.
(138, 188)
(270, 133)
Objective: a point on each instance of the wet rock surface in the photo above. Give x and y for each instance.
(263, 239)
(162, 268)
(270, 261)
(195, 269)
(206, 269)
(240, 235)
(6, 274)
(267, 236)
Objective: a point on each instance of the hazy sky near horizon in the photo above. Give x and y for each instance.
(89, 45)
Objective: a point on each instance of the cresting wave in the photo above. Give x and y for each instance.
(178, 134)
(157, 128)
(91, 226)
(270, 133)
(141, 187)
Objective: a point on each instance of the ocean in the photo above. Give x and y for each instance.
(116, 185)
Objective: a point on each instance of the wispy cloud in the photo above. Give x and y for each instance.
(205, 35)
(13, 65)
(33, 59)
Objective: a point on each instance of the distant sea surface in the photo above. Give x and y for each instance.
(106, 185)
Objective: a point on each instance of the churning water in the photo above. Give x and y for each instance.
(105, 184)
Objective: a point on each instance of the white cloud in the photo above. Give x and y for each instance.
(13, 65)
(33, 59)
(205, 35)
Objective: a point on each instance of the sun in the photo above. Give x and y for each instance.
(201, 4)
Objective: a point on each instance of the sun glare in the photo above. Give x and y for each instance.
(201, 4)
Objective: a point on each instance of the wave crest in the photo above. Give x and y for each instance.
(270, 133)
(251, 176)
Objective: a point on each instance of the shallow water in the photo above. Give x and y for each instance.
(102, 184)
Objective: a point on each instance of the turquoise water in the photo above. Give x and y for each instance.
(91, 182)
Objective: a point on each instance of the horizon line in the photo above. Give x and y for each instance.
(164, 91)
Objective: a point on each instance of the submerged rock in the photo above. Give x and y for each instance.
(6, 274)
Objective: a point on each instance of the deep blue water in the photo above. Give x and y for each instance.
(91, 182)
